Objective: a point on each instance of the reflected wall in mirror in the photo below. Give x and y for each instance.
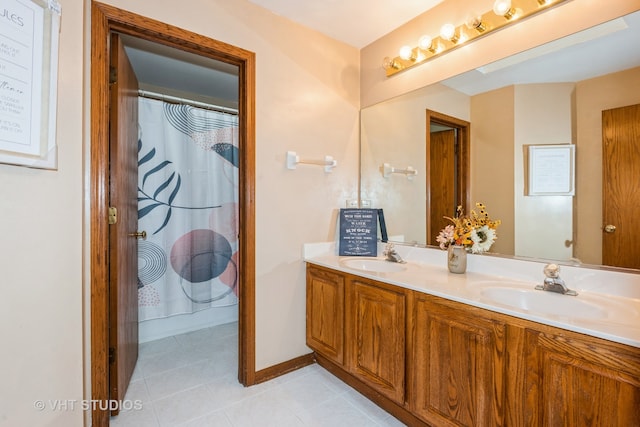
(554, 94)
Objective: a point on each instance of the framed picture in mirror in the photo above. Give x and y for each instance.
(550, 170)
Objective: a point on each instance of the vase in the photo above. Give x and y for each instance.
(457, 259)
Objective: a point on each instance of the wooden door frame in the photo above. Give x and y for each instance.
(104, 20)
(463, 158)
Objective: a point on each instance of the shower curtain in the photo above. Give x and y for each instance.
(188, 205)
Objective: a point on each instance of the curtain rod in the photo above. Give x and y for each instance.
(177, 100)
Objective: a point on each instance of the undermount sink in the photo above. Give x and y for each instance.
(376, 265)
(544, 302)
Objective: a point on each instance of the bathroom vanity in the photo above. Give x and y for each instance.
(442, 349)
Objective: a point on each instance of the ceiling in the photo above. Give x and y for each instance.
(608, 47)
(169, 71)
(355, 22)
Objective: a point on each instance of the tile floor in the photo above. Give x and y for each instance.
(190, 380)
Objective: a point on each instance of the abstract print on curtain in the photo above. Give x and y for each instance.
(188, 205)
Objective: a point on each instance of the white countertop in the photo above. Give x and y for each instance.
(608, 303)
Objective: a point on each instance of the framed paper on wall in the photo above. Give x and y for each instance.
(29, 36)
(551, 170)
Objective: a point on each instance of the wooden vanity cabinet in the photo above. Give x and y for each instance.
(360, 325)
(431, 361)
(375, 331)
(475, 367)
(575, 380)
(459, 365)
(325, 313)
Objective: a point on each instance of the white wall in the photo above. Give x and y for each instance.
(41, 288)
(394, 132)
(307, 100)
(492, 166)
(542, 115)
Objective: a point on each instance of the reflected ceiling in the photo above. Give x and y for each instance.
(600, 50)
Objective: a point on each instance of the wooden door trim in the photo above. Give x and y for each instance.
(104, 20)
(463, 158)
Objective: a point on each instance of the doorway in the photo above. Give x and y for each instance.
(105, 21)
(447, 141)
(187, 189)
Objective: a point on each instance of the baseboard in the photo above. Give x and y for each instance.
(284, 368)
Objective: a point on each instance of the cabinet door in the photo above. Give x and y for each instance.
(325, 313)
(458, 365)
(376, 336)
(576, 380)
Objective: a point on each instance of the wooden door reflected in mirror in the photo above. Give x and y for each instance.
(447, 140)
(621, 187)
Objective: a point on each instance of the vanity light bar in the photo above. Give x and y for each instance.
(503, 14)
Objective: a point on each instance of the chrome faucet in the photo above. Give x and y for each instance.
(392, 255)
(553, 282)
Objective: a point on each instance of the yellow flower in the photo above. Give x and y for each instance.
(475, 231)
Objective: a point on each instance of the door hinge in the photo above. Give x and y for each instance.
(112, 355)
(113, 75)
(113, 215)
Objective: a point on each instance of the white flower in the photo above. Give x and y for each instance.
(482, 237)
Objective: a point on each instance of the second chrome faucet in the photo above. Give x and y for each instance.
(553, 283)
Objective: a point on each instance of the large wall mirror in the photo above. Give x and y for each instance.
(562, 93)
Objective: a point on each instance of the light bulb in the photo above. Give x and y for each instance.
(406, 52)
(474, 22)
(425, 43)
(500, 7)
(389, 63)
(503, 8)
(448, 32)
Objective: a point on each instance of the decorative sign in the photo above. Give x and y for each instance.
(358, 232)
(28, 81)
(551, 170)
(383, 226)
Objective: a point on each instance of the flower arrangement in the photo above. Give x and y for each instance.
(475, 232)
